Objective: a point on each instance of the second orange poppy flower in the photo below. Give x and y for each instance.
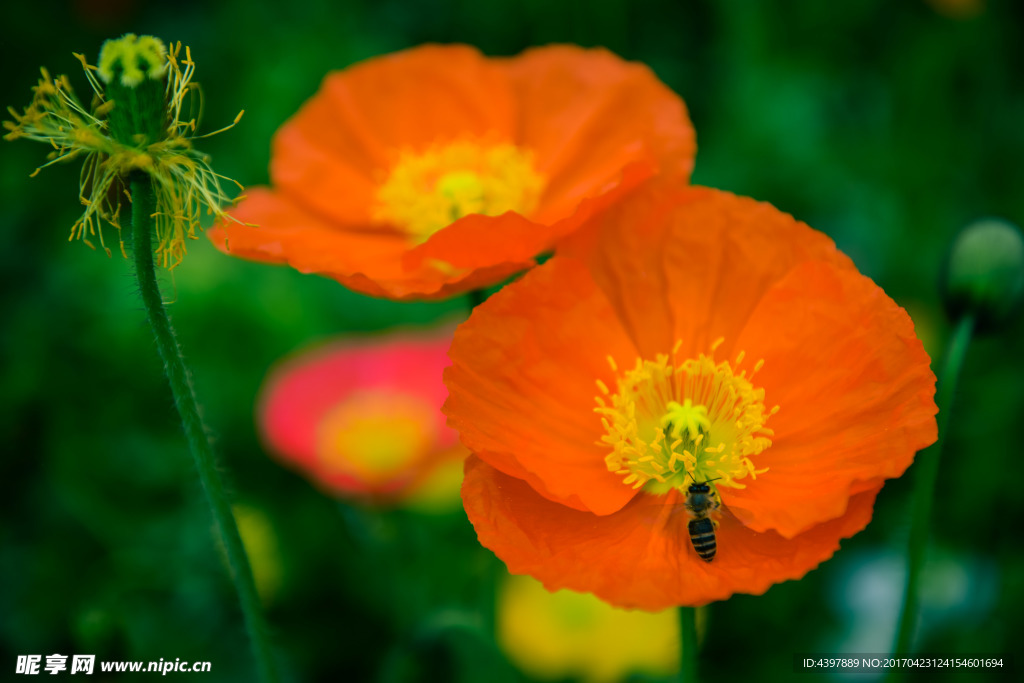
(436, 170)
(685, 337)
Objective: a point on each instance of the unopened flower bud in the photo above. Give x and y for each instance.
(984, 274)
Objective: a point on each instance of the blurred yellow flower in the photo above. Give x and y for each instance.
(555, 635)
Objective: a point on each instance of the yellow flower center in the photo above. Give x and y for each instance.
(428, 190)
(376, 436)
(670, 425)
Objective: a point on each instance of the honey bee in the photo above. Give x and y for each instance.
(700, 503)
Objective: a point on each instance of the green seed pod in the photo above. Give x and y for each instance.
(134, 70)
(984, 274)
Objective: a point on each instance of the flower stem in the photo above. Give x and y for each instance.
(924, 483)
(476, 297)
(688, 644)
(143, 207)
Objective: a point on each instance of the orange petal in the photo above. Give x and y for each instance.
(477, 241)
(507, 463)
(691, 264)
(587, 114)
(365, 261)
(516, 397)
(641, 556)
(337, 149)
(855, 393)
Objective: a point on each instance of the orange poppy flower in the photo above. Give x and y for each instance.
(434, 171)
(363, 420)
(684, 337)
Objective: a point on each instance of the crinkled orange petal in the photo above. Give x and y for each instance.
(640, 556)
(855, 391)
(587, 114)
(366, 261)
(508, 464)
(334, 153)
(691, 264)
(522, 384)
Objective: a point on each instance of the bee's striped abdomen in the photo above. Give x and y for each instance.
(702, 535)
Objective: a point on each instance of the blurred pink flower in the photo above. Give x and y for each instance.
(362, 418)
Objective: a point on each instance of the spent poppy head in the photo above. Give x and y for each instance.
(697, 396)
(436, 170)
(363, 420)
(132, 127)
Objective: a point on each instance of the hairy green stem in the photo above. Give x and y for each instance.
(688, 644)
(924, 484)
(143, 207)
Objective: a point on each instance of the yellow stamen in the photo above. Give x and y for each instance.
(427, 190)
(669, 425)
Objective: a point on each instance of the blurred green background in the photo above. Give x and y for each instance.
(888, 125)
